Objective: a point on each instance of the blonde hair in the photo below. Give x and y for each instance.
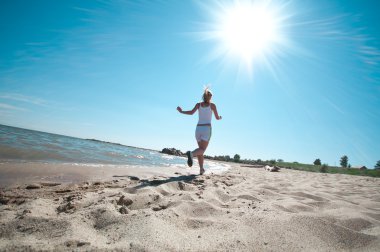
(207, 94)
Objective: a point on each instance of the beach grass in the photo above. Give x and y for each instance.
(329, 169)
(323, 168)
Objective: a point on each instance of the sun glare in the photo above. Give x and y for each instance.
(246, 31)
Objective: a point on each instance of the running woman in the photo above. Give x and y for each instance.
(203, 130)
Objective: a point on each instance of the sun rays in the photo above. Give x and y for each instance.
(247, 32)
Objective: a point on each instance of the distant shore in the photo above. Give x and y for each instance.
(323, 168)
(243, 209)
(119, 144)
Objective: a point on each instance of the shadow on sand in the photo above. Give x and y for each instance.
(157, 182)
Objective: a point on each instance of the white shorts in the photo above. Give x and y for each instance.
(203, 133)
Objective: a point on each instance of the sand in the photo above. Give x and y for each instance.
(243, 209)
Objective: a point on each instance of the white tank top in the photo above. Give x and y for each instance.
(205, 114)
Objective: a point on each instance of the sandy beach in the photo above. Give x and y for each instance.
(243, 209)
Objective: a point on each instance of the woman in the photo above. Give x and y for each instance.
(203, 130)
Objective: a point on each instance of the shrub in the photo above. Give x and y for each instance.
(272, 161)
(317, 162)
(323, 168)
(377, 166)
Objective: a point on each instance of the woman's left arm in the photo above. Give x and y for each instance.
(213, 108)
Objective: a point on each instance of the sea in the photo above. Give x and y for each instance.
(30, 146)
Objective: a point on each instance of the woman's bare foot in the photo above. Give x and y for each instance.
(202, 171)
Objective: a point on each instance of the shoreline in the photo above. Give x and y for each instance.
(242, 209)
(21, 173)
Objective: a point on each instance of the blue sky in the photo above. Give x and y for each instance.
(117, 70)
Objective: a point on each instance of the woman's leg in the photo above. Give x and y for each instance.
(199, 153)
(200, 158)
(200, 161)
(202, 148)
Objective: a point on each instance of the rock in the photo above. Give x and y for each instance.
(123, 210)
(156, 208)
(172, 151)
(134, 178)
(271, 168)
(33, 186)
(160, 207)
(164, 206)
(181, 185)
(124, 201)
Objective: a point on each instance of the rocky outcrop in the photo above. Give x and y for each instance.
(172, 151)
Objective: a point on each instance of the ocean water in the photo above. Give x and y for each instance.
(22, 145)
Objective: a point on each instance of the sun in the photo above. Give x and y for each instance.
(246, 31)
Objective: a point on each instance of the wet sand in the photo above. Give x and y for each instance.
(243, 209)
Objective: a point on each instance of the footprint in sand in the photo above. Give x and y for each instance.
(197, 223)
(222, 196)
(198, 209)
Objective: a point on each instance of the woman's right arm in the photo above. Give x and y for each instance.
(189, 112)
